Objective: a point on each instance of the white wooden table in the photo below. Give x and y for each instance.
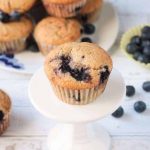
(29, 128)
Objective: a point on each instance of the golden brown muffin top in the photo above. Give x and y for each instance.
(9, 6)
(78, 65)
(5, 103)
(91, 6)
(62, 1)
(15, 30)
(57, 31)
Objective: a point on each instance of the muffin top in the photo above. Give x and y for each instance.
(15, 30)
(91, 6)
(22, 6)
(5, 104)
(78, 65)
(57, 31)
(62, 1)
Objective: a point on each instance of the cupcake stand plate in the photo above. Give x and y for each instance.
(74, 130)
(27, 62)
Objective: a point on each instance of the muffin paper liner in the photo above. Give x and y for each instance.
(4, 124)
(126, 40)
(12, 47)
(77, 97)
(65, 10)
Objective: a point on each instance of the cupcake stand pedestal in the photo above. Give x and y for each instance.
(74, 130)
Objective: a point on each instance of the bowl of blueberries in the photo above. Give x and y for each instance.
(135, 44)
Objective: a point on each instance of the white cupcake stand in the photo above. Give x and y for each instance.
(74, 130)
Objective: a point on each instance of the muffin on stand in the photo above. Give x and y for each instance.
(5, 106)
(78, 72)
(52, 32)
(64, 8)
(91, 11)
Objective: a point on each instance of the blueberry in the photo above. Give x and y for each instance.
(118, 113)
(9, 55)
(145, 36)
(89, 28)
(145, 43)
(146, 29)
(146, 50)
(143, 58)
(130, 90)
(1, 115)
(15, 16)
(140, 106)
(146, 86)
(4, 17)
(132, 48)
(86, 39)
(136, 55)
(136, 40)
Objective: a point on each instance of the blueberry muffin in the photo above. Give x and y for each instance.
(9, 6)
(5, 106)
(14, 30)
(91, 11)
(78, 72)
(63, 8)
(52, 31)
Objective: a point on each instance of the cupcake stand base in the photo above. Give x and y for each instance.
(75, 130)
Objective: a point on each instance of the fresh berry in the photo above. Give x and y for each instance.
(146, 86)
(132, 48)
(145, 36)
(140, 106)
(130, 90)
(89, 28)
(15, 16)
(118, 113)
(145, 43)
(136, 40)
(86, 39)
(146, 29)
(4, 17)
(9, 55)
(1, 115)
(146, 50)
(136, 55)
(143, 58)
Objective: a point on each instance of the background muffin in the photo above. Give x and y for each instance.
(21, 6)
(63, 8)
(5, 106)
(13, 35)
(51, 32)
(78, 72)
(90, 11)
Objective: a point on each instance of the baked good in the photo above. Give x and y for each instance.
(52, 31)
(78, 72)
(13, 34)
(5, 106)
(21, 6)
(91, 11)
(63, 8)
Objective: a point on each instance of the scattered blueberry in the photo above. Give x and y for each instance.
(1, 115)
(86, 39)
(136, 55)
(136, 40)
(146, 29)
(15, 16)
(140, 106)
(132, 48)
(130, 90)
(118, 113)
(89, 28)
(4, 17)
(146, 86)
(146, 50)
